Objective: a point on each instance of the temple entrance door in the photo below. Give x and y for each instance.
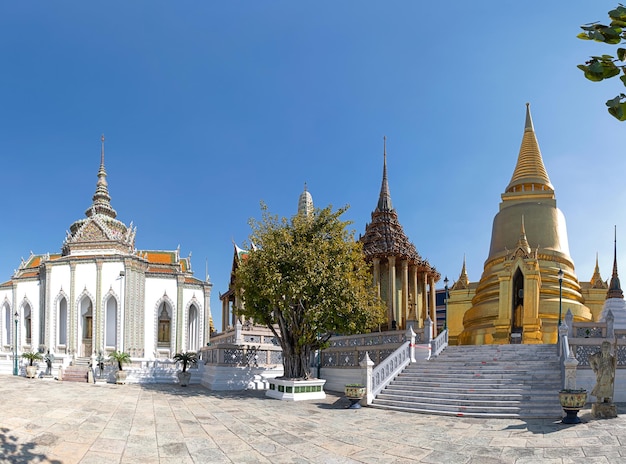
(517, 310)
(87, 328)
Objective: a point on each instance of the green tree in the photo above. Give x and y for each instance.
(306, 279)
(603, 67)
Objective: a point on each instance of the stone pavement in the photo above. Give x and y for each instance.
(55, 422)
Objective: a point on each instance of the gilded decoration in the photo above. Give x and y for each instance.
(519, 289)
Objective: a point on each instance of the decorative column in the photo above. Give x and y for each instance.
(391, 303)
(502, 325)
(50, 322)
(405, 293)
(424, 307)
(433, 304)
(73, 319)
(180, 280)
(377, 275)
(225, 312)
(532, 331)
(97, 341)
(206, 287)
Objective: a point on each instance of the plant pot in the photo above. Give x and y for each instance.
(120, 377)
(31, 372)
(184, 378)
(355, 394)
(572, 401)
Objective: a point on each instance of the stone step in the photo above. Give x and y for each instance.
(517, 413)
(75, 374)
(480, 381)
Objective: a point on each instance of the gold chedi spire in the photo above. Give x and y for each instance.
(530, 174)
(517, 297)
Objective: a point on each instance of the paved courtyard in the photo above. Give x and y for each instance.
(57, 422)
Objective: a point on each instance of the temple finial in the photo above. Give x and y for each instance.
(615, 289)
(384, 199)
(102, 151)
(101, 200)
(529, 120)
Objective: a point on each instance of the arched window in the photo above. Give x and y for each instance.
(164, 329)
(111, 323)
(27, 324)
(62, 322)
(192, 328)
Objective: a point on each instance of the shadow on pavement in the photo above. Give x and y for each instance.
(20, 453)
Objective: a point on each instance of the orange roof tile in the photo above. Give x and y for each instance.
(161, 257)
(34, 261)
(161, 270)
(30, 274)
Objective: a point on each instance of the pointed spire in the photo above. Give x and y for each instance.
(523, 241)
(305, 203)
(530, 175)
(463, 281)
(384, 199)
(101, 199)
(596, 278)
(615, 290)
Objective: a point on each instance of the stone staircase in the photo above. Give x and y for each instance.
(499, 381)
(77, 372)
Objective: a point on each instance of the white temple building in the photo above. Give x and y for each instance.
(101, 294)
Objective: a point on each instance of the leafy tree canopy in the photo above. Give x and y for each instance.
(603, 67)
(306, 279)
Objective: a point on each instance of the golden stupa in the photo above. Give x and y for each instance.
(519, 297)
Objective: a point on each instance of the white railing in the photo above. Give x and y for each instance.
(385, 372)
(438, 344)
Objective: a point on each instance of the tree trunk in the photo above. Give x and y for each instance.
(296, 365)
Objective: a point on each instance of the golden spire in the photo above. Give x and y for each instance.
(463, 281)
(530, 173)
(522, 243)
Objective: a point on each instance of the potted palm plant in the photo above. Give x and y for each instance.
(187, 358)
(120, 358)
(32, 356)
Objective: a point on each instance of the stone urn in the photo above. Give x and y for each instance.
(31, 372)
(120, 377)
(355, 393)
(183, 378)
(572, 401)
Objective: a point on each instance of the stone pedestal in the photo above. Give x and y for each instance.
(296, 390)
(604, 410)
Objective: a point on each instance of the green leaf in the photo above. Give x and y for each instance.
(623, 78)
(617, 111)
(621, 54)
(583, 36)
(618, 14)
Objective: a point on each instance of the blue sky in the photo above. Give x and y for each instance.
(210, 107)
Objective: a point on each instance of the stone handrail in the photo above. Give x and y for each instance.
(387, 370)
(375, 379)
(438, 344)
